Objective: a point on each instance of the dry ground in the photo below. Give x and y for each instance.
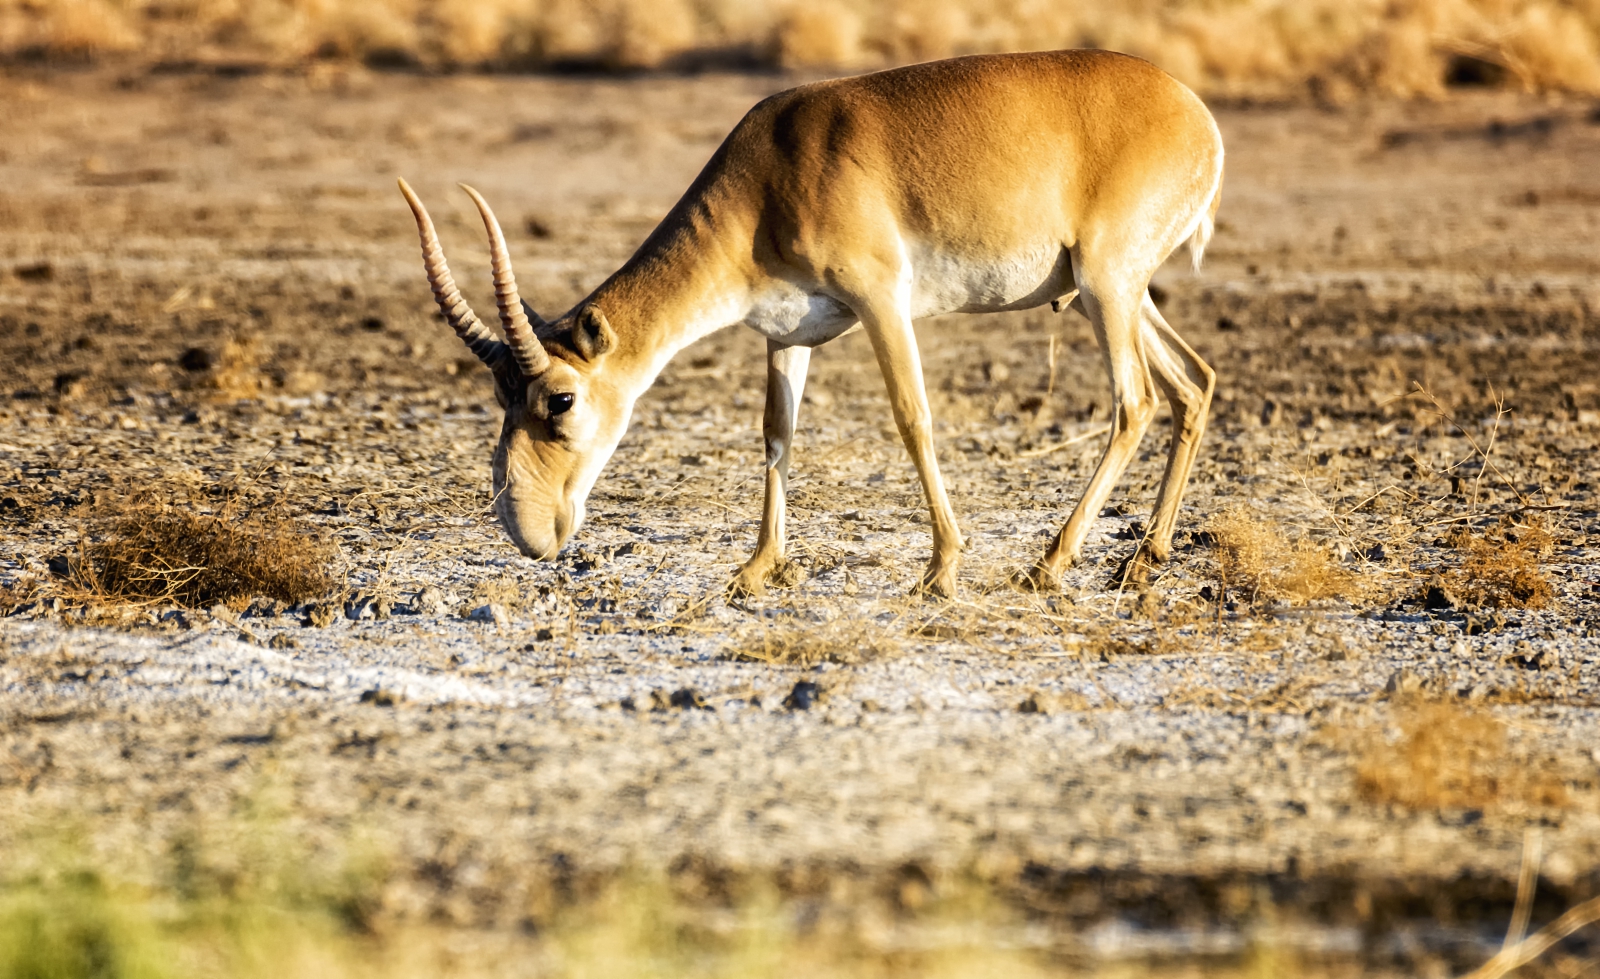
(210, 292)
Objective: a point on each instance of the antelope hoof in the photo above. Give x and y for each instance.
(1135, 569)
(756, 574)
(751, 579)
(938, 582)
(746, 585)
(1036, 579)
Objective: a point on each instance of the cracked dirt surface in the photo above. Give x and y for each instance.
(211, 283)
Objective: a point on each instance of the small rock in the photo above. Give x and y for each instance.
(543, 635)
(283, 641)
(360, 608)
(1033, 703)
(804, 694)
(322, 614)
(626, 703)
(264, 608)
(493, 612)
(196, 359)
(378, 697)
(1437, 596)
(1529, 657)
(688, 698)
(786, 574)
(1403, 682)
(430, 601)
(685, 698)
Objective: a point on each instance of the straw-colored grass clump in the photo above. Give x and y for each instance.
(1449, 757)
(1502, 568)
(148, 553)
(845, 641)
(1259, 563)
(1333, 46)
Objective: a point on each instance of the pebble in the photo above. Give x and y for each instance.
(493, 612)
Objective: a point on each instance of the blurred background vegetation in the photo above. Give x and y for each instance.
(1332, 49)
(251, 895)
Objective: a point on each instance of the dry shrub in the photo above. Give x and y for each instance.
(1255, 558)
(645, 36)
(846, 641)
(148, 553)
(1451, 757)
(1554, 47)
(85, 28)
(1271, 47)
(825, 35)
(237, 373)
(1501, 568)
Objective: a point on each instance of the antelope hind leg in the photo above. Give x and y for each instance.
(1188, 383)
(1116, 321)
(786, 381)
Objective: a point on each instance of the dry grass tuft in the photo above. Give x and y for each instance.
(1450, 757)
(237, 374)
(147, 553)
(78, 29)
(1260, 563)
(1501, 568)
(822, 35)
(845, 641)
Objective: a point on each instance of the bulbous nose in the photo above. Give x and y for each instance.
(541, 540)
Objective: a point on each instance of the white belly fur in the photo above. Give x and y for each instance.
(940, 283)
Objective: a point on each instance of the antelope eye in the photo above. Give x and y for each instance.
(559, 403)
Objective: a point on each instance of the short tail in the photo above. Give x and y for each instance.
(1205, 227)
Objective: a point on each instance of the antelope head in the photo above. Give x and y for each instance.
(565, 413)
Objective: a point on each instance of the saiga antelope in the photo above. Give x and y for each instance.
(976, 185)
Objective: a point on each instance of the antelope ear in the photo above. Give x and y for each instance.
(592, 335)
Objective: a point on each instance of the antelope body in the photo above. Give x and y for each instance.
(976, 184)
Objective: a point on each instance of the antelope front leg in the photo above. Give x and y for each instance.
(786, 381)
(895, 344)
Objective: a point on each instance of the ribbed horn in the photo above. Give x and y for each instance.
(478, 338)
(530, 353)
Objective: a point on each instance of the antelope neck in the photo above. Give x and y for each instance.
(688, 280)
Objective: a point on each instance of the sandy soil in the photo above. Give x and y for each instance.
(1195, 766)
